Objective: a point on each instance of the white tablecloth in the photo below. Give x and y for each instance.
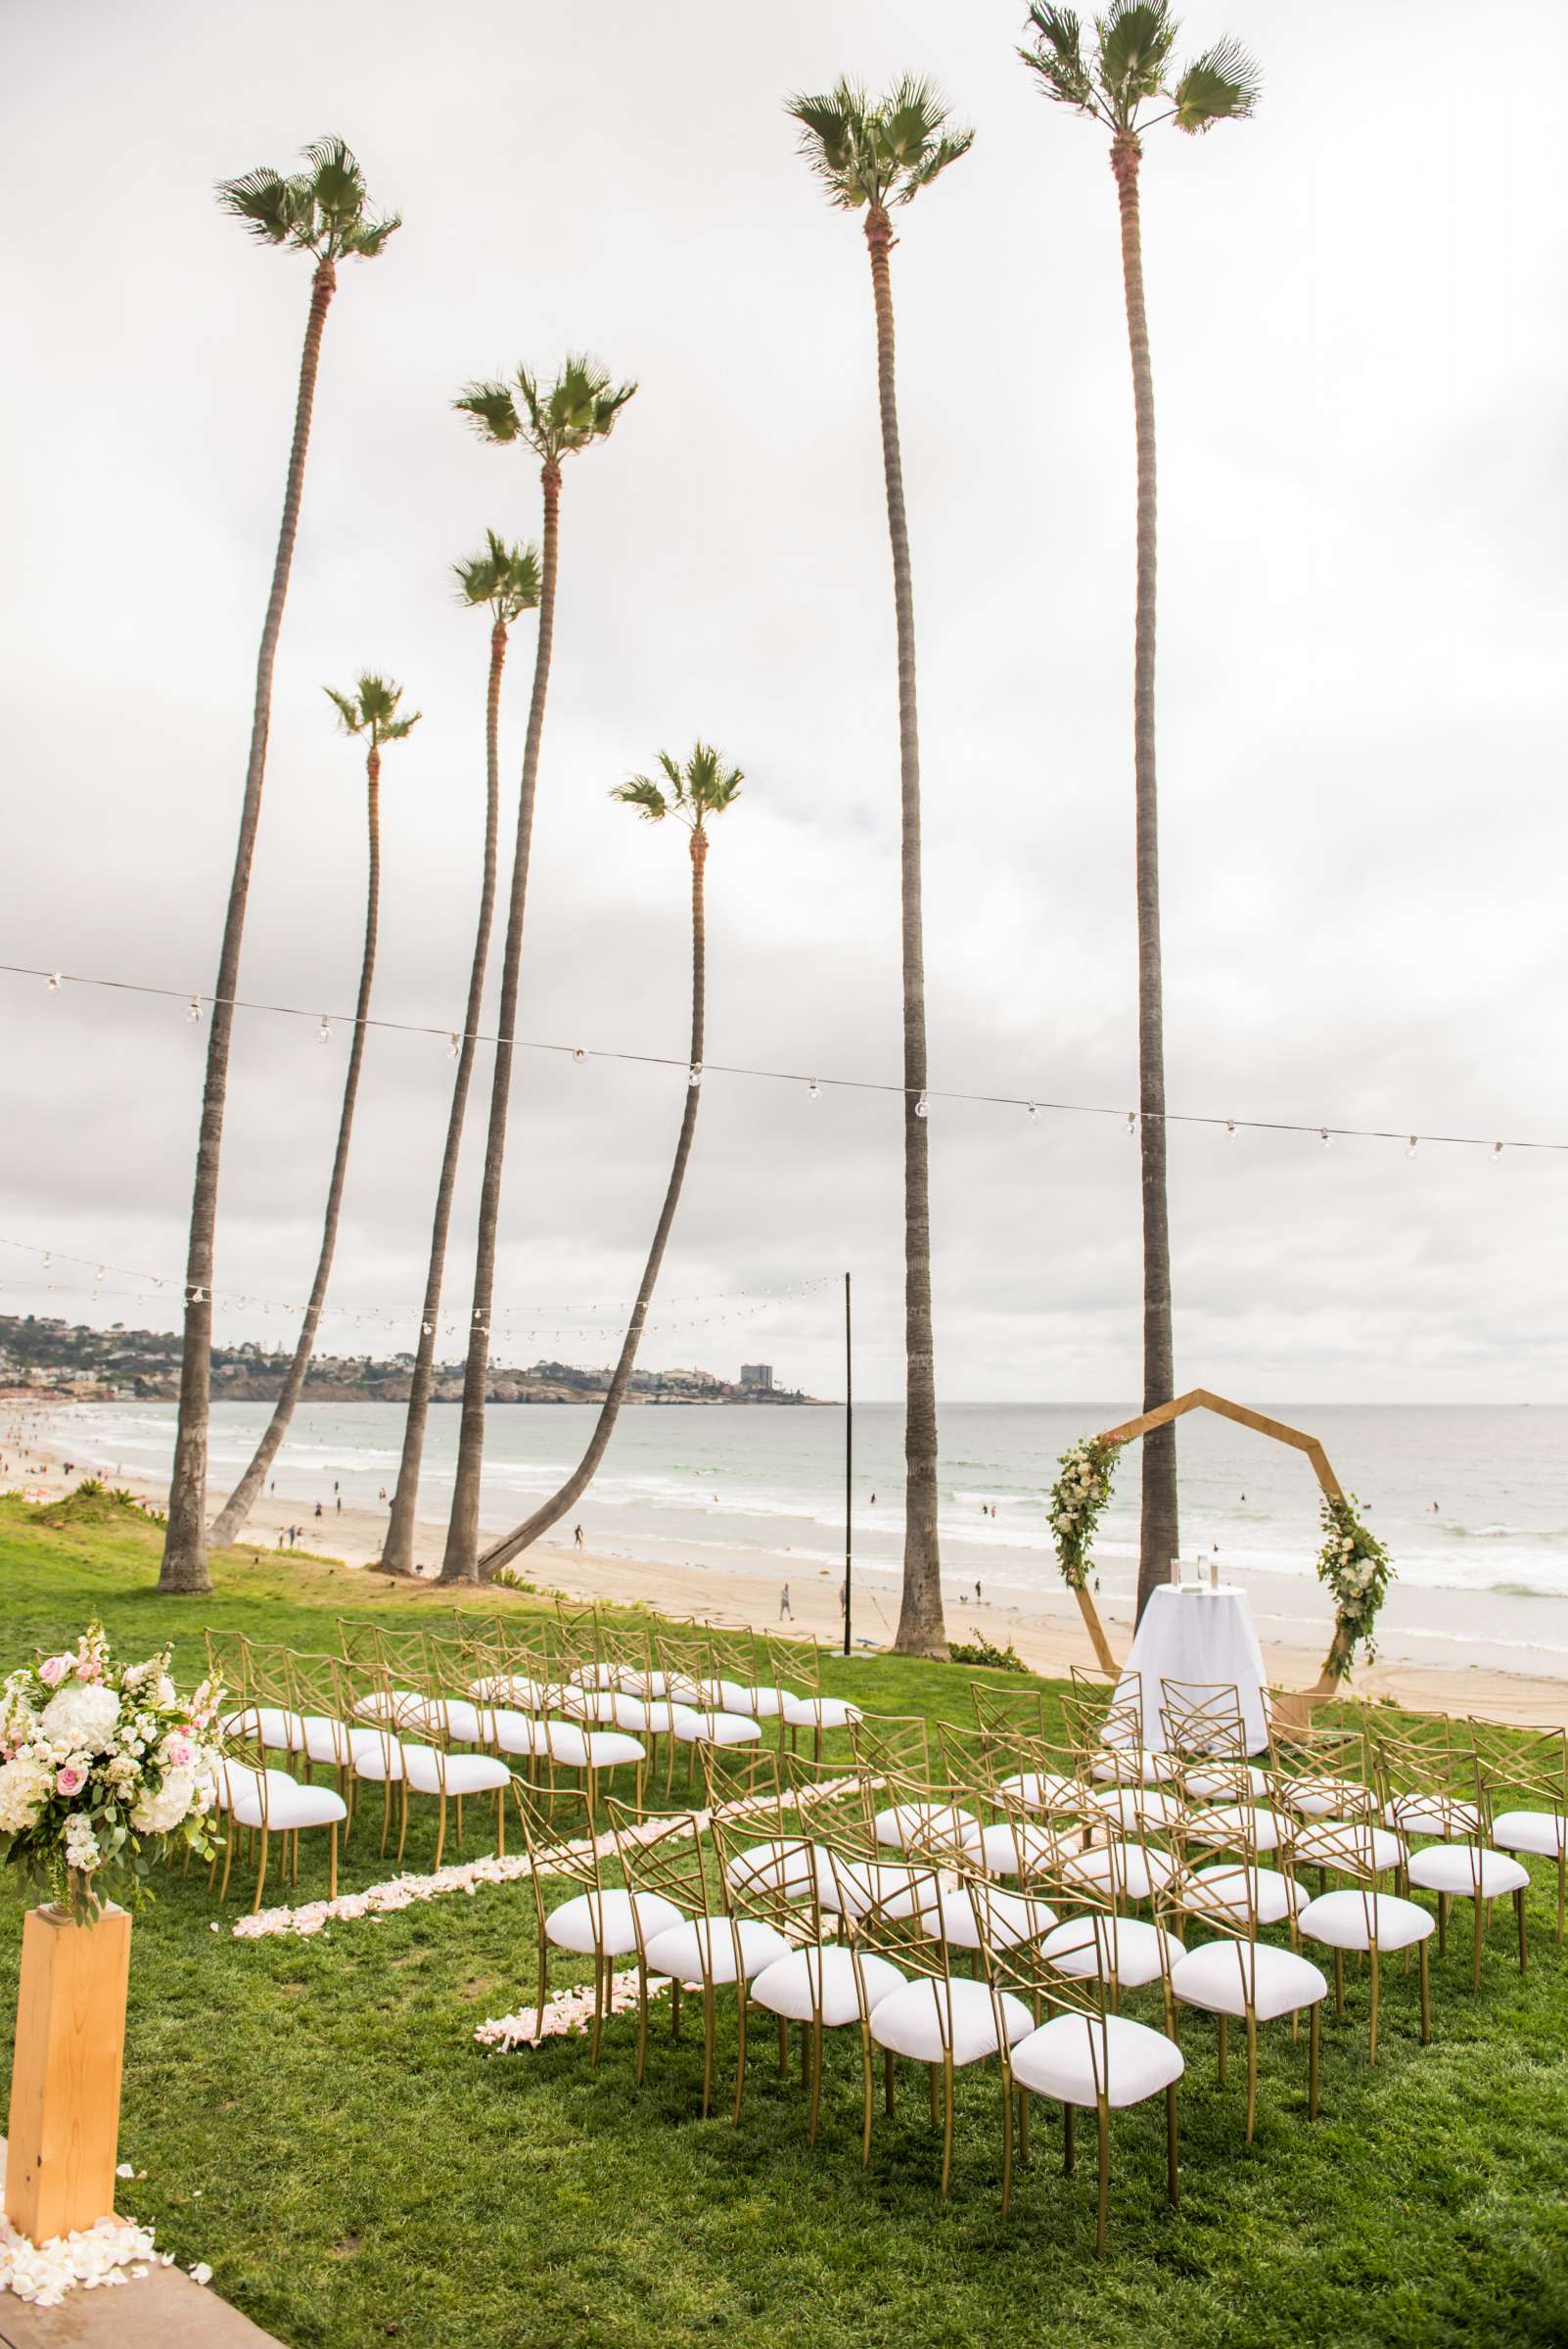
(1197, 1635)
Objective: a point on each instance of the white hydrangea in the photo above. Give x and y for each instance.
(25, 1787)
(157, 1813)
(81, 1717)
(81, 1844)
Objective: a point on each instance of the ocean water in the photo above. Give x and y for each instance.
(1471, 1500)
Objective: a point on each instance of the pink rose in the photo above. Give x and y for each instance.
(179, 1754)
(71, 1779)
(52, 1670)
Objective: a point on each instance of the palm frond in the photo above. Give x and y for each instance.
(490, 408)
(270, 206)
(836, 141)
(338, 185)
(367, 239)
(1057, 57)
(398, 729)
(1134, 43)
(347, 710)
(1223, 85)
(642, 792)
(935, 162)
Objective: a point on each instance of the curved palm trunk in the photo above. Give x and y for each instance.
(460, 1563)
(232, 1516)
(1160, 1534)
(921, 1632)
(397, 1551)
(578, 1482)
(184, 1564)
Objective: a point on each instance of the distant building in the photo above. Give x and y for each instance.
(758, 1376)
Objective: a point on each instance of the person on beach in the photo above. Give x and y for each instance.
(576, 1537)
(340, 1504)
(784, 1607)
(976, 1594)
(318, 1509)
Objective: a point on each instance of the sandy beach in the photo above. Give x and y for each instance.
(1050, 1637)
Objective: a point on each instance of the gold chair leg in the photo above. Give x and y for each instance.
(1102, 2226)
(1223, 2035)
(1252, 2073)
(708, 2046)
(740, 2056)
(543, 1992)
(1069, 2140)
(1371, 2054)
(867, 2092)
(332, 1863)
(440, 1831)
(385, 1814)
(262, 1872)
(642, 2018)
(674, 2009)
(1172, 2165)
(500, 1823)
(1315, 2042)
(1426, 1997)
(599, 1965)
(1007, 2145)
(947, 2101)
(1519, 1912)
(402, 1821)
(1478, 1930)
(458, 1824)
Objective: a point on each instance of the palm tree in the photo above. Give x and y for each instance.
(1128, 72)
(325, 212)
(577, 409)
(505, 580)
(872, 156)
(693, 794)
(371, 711)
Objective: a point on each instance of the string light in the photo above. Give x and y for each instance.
(1131, 1121)
(1410, 1147)
(578, 1055)
(1325, 1137)
(923, 1106)
(453, 1045)
(1031, 1111)
(864, 1084)
(1497, 1153)
(813, 1091)
(694, 1074)
(193, 1010)
(324, 1031)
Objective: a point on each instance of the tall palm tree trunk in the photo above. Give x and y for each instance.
(460, 1563)
(184, 1565)
(921, 1632)
(232, 1516)
(1160, 1533)
(397, 1551)
(555, 1509)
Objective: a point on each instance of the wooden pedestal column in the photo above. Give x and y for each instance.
(65, 2087)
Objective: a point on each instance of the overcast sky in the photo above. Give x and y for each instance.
(1360, 350)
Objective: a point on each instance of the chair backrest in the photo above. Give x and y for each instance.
(1023, 1965)
(1516, 1763)
(225, 1659)
(829, 1801)
(1203, 1717)
(891, 1742)
(769, 1870)
(1001, 1714)
(681, 1653)
(961, 1756)
(1225, 1906)
(666, 1852)
(1089, 1724)
(795, 1664)
(730, 1655)
(937, 1826)
(1407, 1761)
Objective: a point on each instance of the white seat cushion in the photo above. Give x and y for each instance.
(739, 1696)
(854, 1887)
(337, 1742)
(517, 1732)
(1321, 1797)
(232, 1781)
(394, 1706)
(268, 1725)
(689, 1724)
(1461, 1867)
(925, 2017)
(1217, 1975)
(1363, 1846)
(716, 1948)
(1094, 1948)
(1545, 1832)
(797, 1984)
(287, 1806)
(511, 1688)
(1074, 2056)
(1134, 1807)
(818, 1711)
(942, 1822)
(787, 1864)
(430, 1770)
(1216, 1782)
(1133, 1870)
(1003, 1849)
(598, 1708)
(604, 1921)
(1241, 1826)
(576, 1748)
(1433, 1815)
(377, 1754)
(1229, 1889)
(1132, 1764)
(1010, 1918)
(1047, 1791)
(1354, 1920)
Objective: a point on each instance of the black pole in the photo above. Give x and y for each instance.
(848, 1463)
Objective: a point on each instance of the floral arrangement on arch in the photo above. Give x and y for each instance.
(1356, 1566)
(1078, 1495)
(102, 1765)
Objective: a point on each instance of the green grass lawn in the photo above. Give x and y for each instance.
(315, 2119)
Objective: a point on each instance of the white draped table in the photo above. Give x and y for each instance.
(1197, 1634)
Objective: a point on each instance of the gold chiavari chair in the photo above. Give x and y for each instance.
(1532, 1763)
(1083, 2056)
(1004, 1714)
(795, 1667)
(1316, 1772)
(1101, 1942)
(1236, 1975)
(269, 1709)
(941, 2019)
(374, 1743)
(1106, 1736)
(269, 1803)
(691, 1719)
(1202, 1721)
(663, 1854)
(732, 1682)
(1433, 1791)
(1424, 1772)
(1034, 1774)
(600, 1919)
(775, 1881)
(1359, 1915)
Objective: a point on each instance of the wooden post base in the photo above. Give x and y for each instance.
(64, 2085)
(1097, 1632)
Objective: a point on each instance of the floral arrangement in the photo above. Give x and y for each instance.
(1078, 1495)
(1356, 1566)
(102, 1765)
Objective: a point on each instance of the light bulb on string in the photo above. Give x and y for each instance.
(1325, 1137)
(923, 1106)
(1230, 1127)
(47, 1260)
(1131, 1121)
(693, 1076)
(453, 1045)
(1031, 1111)
(54, 983)
(193, 1011)
(578, 1055)
(324, 1031)
(1412, 1146)
(813, 1091)
(1496, 1153)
